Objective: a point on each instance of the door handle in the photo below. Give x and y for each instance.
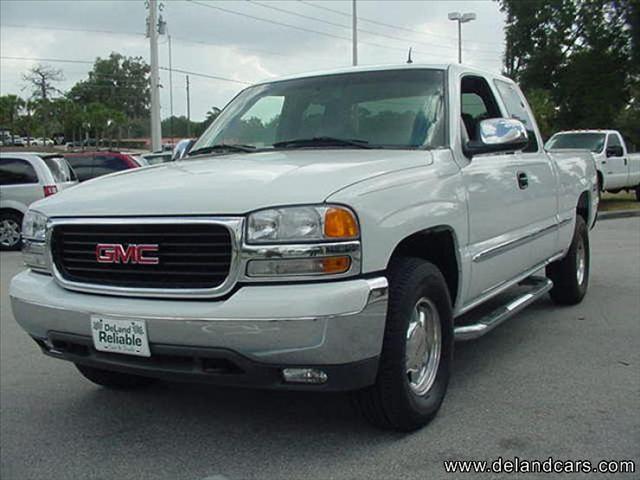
(523, 180)
(625, 162)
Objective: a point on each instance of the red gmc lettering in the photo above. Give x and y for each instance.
(135, 254)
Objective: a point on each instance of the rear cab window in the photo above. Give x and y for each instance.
(108, 163)
(15, 171)
(82, 165)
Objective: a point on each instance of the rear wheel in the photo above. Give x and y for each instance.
(10, 231)
(417, 349)
(110, 379)
(570, 275)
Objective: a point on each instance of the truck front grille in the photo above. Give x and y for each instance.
(176, 256)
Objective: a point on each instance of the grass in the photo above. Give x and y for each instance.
(618, 201)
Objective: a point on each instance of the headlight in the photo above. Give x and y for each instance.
(34, 226)
(34, 230)
(302, 224)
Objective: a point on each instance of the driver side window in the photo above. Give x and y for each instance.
(478, 103)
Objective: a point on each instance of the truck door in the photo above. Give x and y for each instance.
(511, 198)
(616, 169)
(541, 190)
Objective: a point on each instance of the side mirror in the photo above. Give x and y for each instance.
(498, 135)
(614, 151)
(182, 148)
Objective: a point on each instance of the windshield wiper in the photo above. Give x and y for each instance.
(230, 147)
(322, 142)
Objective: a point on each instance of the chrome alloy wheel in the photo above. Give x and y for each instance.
(424, 344)
(581, 262)
(9, 232)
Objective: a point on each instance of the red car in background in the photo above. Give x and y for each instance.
(89, 165)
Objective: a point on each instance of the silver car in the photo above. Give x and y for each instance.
(25, 178)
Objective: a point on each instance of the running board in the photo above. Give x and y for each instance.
(530, 290)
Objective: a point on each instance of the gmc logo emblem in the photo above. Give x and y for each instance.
(133, 253)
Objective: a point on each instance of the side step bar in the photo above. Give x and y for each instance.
(534, 288)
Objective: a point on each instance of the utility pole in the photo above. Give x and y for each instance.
(170, 91)
(354, 34)
(156, 130)
(188, 110)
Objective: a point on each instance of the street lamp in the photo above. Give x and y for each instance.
(461, 18)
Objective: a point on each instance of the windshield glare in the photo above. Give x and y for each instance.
(586, 141)
(393, 109)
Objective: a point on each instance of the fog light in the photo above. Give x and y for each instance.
(304, 375)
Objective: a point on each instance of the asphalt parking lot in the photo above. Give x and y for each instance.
(561, 382)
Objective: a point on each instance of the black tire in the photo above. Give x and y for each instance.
(569, 288)
(11, 220)
(391, 403)
(115, 380)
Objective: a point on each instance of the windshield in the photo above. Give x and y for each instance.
(586, 141)
(383, 109)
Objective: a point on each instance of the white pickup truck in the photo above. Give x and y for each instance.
(617, 168)
(330, 231)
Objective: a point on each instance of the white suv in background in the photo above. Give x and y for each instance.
(25, 178)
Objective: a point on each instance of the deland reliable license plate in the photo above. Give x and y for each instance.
(120, 336)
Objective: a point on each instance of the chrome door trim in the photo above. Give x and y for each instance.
(516, 242)
(233, 224)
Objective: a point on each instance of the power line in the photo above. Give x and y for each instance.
(303, 29)
(388, 25)
(70, 29)
(61, 60)
(361, 30)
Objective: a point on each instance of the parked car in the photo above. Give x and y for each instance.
(341, 243)
(89, 165)
(617, 168)
(40, 142)
(25, 178)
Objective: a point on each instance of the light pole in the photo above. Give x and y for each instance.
(461, 18)
(354, 33)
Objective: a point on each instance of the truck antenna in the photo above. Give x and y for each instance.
(409, 60)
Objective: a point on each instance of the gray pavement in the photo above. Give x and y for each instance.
(561, 382)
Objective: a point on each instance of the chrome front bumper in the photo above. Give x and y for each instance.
(328, 323)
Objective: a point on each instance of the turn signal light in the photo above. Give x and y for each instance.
(340, 223)
(335, 264)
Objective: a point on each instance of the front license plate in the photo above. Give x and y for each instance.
(120, 336)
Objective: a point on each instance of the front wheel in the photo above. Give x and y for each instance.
(10, 231)
(417, 349)
(570, 275)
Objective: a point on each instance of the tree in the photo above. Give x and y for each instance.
(119, 83)
(577, 51)
(10, 107)
(41, 78)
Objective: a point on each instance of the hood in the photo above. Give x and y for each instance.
(229, 184)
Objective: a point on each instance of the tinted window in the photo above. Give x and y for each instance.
(82, 165)
(105, 163)
(14, 171)
(517, 108)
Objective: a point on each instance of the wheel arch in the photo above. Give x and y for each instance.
(438, 245)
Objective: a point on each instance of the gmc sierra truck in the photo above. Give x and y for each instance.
(618, 169)
(330, 231)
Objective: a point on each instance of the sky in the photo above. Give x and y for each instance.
(242, 41)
